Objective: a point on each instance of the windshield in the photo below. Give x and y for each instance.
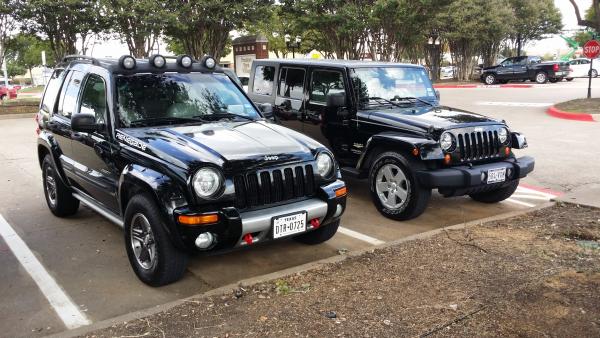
(380, 85)
(160, 98)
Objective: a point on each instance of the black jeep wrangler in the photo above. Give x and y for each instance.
(175, 153)
(383, 121)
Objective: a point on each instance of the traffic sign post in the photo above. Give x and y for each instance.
(591, 50)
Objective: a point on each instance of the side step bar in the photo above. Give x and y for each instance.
(99, 209)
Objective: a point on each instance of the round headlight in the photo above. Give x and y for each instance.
(158, 61)
(127, 62)
(503, 135)
(210, 63)
(185, 61)
(446, 141)
(324, 164)
(207, 182)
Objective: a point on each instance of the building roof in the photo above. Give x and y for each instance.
(334, 63)
(249, 39)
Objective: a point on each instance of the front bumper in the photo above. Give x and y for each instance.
(465, 179)
(233, 225)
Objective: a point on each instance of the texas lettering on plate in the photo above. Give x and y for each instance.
(289, 225)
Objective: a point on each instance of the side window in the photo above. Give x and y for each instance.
(325, 82)
(68, 104)
(93, 99)
(51, 92)
(507, 62)
(291, 83)
(264, 77)
(584, 62)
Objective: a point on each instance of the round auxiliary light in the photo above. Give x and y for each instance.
(185, 61)
(210, 62)
(324, 164)
(158, 61)
(503, 135)
(207, 182)
(127, 61)
(446, 141)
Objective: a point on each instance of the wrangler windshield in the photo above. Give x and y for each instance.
(392, 86)
(154, 99)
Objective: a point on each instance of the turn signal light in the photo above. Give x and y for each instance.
(415, 152)
(447, 159)
(341, 192)
(198, 219)
(507, 151)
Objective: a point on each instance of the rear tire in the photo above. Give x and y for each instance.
(59, 198)
(497, 195)
(553, 80)
(594, 73)
(320, 235)
(392, 178)
(489, 79)
(152, 255)
(541, 77)
(569, 79)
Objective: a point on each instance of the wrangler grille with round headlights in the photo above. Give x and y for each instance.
(478, 145)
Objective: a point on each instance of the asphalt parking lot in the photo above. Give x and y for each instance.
(85, 257)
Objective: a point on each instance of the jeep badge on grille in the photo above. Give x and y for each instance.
(271, 157)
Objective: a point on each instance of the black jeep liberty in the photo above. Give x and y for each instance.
(174, 152)
(383, 121)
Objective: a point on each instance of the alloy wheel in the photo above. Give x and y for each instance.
(50, 185)
(490, 79)
(392, 186)
(142, 241)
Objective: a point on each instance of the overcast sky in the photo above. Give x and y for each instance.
(551, 45)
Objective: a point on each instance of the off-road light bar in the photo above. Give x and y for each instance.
(158, 61)
(185, 61)
(209, 62)
(127, 62)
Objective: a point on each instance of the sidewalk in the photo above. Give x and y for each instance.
(588, 196)
(531, 275)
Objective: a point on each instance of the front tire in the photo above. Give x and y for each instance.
(497, 195)
(541, 77)
(594, 73)
(569, 79)
(395, 189)
(152, 255)
(59, 198)
(489, 79)
(320, 235)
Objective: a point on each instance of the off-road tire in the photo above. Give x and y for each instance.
(569, 79)
(63, 204)
(541, 77)
(497, 195)
(418, 196)
(170, 262)
(320, 235)
(489, 79)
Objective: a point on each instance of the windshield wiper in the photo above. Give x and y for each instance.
(164, 119)
(216, 116)
(407, 98)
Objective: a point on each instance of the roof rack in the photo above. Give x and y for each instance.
(80, 57)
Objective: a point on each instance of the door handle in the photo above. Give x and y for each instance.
(77, 136)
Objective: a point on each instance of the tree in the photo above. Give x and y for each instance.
(24, 52)
(275, 24)
(203, 26)
(7, 25)
(533, 20)
(592, 19)
(61, 22)
(137, 23)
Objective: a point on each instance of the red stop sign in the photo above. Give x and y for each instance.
(591, 49)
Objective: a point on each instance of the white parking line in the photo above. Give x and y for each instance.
(521, 189)
(520, 203)
(359, 236)
(530, 197)
(61, 303)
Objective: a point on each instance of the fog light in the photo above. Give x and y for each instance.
(483, 177)
(508, 173)
(338, 210)
(204, 240)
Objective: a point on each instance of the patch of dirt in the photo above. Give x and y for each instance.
(587, 106)
(524, 276)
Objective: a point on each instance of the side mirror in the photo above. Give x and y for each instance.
(85, 123)
(267, 110)
(336, 100)
(437, 94)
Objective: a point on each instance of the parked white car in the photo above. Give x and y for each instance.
(581, 68)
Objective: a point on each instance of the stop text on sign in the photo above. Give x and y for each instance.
(591, 49)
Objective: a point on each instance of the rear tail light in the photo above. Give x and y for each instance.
(555, 67)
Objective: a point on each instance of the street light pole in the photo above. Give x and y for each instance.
(293, 45)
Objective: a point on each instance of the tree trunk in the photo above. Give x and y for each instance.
(519, 44)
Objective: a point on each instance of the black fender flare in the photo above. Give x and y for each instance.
(46, 144)
(167, 192)
(428, 149)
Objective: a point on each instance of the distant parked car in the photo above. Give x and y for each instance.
(581, 68)
(525, 68)
(447, 71)
(7, 92)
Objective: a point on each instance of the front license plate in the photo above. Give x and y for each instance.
(496, 175)
(289, 225)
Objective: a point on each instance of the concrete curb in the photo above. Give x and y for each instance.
(17, 116)
(463, 86)
(284, 273)
(555, 112)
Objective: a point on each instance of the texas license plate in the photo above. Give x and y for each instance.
(289, 225)
(496, 175)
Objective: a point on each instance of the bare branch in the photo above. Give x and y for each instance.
(580, 21)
